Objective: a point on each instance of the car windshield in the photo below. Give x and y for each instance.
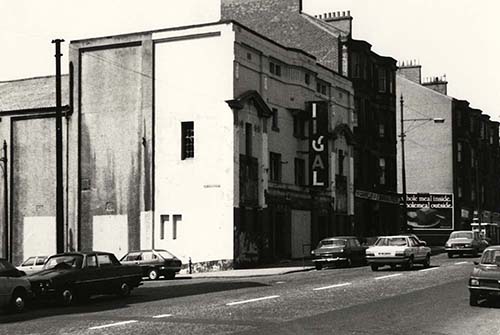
(491, 257)
(64, 262)
(461, 234)
(391, 241)
(331, 243)
(165, 254)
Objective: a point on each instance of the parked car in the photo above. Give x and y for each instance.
(32, 264)
(15, 289)
(339, 249)
(154, 263)
(484, 281)
(79, 275)
(398, 250)
(465, 242)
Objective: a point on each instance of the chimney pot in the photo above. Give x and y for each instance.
(338, 14)
(348, 13)
(343, 13)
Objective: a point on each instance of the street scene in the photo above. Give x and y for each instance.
(249, 166)
(339, 301)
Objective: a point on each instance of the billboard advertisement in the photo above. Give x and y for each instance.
(430, 211)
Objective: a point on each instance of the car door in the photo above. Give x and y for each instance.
(89, 281)
(419, 249)
(28, 265)
(358, 250)
(108, 272)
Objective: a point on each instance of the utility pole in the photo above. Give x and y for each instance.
(6, 230)
(59, 154)
(403, 169)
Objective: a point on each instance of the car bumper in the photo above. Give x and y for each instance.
(484, 290)
(329, 259)
(387, 260)
(459, 250)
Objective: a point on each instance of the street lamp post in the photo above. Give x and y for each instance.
(403, 167)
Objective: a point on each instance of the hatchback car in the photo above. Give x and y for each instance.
(464, 242)
(340, 249)
(32, 264)
(398, 250)
(484, 281)
(15, 289)
(154, 263)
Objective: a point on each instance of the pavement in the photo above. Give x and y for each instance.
(281, 268)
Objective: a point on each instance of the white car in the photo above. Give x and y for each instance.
(32, 264)
(398, 250)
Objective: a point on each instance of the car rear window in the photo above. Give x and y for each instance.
(461, 235)
(391, 241)
(165, 254)
(491, 257)
(332, 243)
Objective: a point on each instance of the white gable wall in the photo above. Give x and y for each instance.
(193, 77)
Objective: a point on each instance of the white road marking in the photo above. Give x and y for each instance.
(161, 316)
(114, 324)
(280, 282)
(428, 269)
(457, 263)
(252, 300)
(388, 276)
(331, 286)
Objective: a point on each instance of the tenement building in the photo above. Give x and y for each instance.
(212, 141)
(452, 168)
(329, 38)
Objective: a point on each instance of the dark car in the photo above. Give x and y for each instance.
(15, 289)
(154, 263)
(484, 281)
(339, 249)
(80, 275)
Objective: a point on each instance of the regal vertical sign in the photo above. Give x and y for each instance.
(318, 143)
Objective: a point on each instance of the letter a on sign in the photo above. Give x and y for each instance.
(318, 163)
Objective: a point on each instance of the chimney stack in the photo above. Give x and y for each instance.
(438, 84)
(340, 20)
(411, 70)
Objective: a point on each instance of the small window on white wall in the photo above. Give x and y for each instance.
(187, 133)
(163, 219)
(176, 219)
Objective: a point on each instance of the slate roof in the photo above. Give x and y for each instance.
(32, 93)
(281, 20)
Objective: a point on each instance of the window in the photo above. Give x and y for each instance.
(29, 262)
(392, 79)
(341, 162)
(40, 260)
(459, 152)
(133, 256)
(472, 194)
(382, 80)
(148, 256)
(321, 87)
(187, 150)
(299, 126)
(176, 218)
(381, 130)
(459, 191)
(275, 166)
(275, 69)
(248, 138)
(381, 164)
(307, 79)
(355, 66)
(274, 119)
(249, 56)
(472, 157)
(106, 260)
(163, 219)
(91, 261)
(300, 172)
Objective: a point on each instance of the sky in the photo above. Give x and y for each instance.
(458, 38)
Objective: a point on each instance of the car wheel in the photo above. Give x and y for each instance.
(66, 296)
(374, 267)
(450, 255)
(427, 261)
(474, 299)
(124, 290)
(409, 264)
(153, 274)
(18, 301)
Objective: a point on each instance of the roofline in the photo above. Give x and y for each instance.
(30, 78)
(399, 76)
(221, 22)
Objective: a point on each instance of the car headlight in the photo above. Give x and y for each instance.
(468, 245)
(474, 282)
(447, 245)
(312, 252)
(341, 250)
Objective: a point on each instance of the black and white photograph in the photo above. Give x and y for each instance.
(249, 167)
